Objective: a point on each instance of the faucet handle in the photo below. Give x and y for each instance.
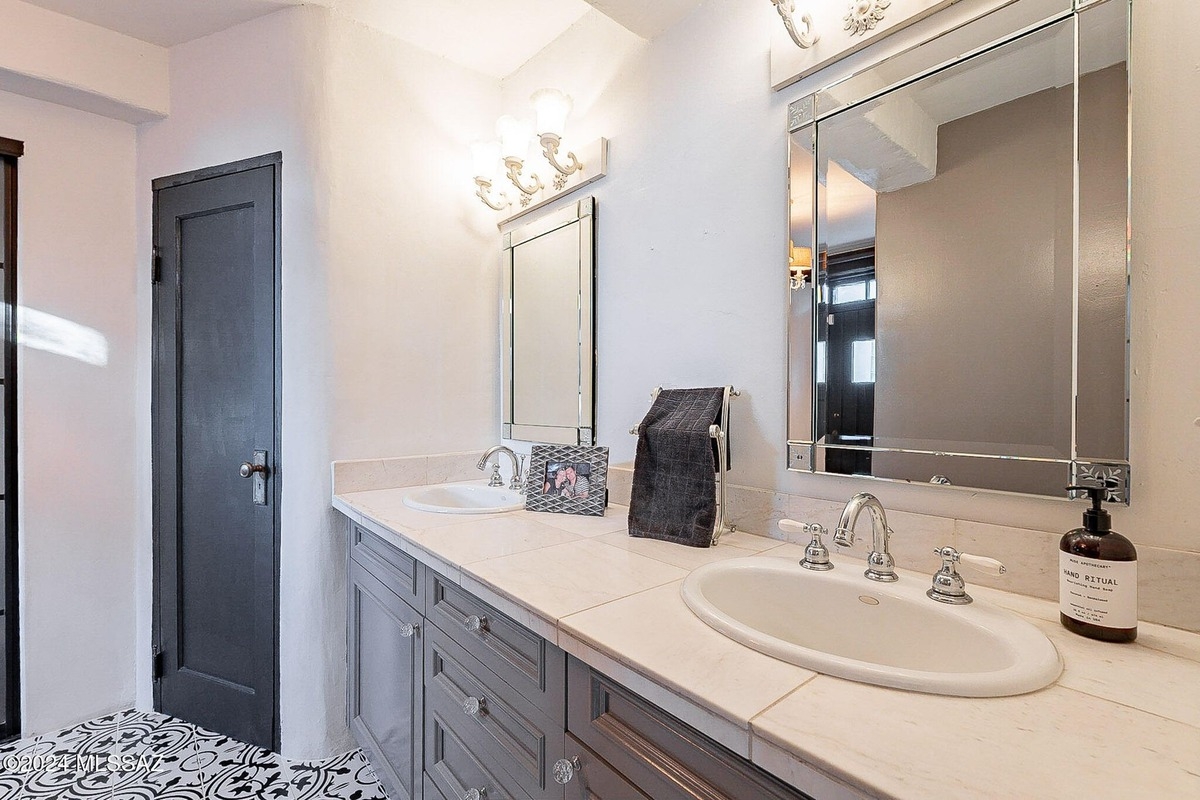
(948, 585)
(816, 554)
(982, 563)
(496, 480)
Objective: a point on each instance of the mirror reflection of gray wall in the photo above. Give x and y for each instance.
(548, 360)
(960, 187)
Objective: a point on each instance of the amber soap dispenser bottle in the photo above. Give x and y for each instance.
(1097, 580)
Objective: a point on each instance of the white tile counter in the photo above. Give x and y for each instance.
(1123, 721)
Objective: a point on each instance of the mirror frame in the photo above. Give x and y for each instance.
(807, 112)
(583, 214)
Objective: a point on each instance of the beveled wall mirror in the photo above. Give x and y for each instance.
(548, 328)
(959, 261)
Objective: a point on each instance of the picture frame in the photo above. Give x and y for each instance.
(566, 479)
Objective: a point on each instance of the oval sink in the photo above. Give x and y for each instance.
(465, 498)
(842, 624)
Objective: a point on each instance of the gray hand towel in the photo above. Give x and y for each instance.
(674, 485)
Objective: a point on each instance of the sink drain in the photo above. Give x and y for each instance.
(866, 598)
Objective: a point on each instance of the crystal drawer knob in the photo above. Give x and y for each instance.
(474, 794)
(476, 624)
(565, 769)
(408, 629)
(473, 706)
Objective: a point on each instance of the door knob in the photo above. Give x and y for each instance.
(247, 469)
(257, 470)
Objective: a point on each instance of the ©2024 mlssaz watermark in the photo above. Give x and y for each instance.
(81, 762)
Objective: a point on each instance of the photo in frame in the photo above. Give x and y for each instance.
(565, 479)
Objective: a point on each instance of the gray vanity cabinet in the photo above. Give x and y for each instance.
(385, 657)
(452, 700)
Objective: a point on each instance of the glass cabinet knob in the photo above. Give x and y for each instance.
(408, 629)
(476, 623)
(473, 706)
(565, 769)
(474, 794)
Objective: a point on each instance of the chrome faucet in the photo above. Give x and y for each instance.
(880, 564)
(517, 467)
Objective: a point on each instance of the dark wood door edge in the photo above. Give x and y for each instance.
(11, 147)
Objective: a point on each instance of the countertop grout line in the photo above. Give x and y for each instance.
(1060, 685)
(783, 697)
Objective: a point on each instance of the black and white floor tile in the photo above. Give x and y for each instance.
(135, 755)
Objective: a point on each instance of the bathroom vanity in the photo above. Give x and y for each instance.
(495, 653)
(451, 698)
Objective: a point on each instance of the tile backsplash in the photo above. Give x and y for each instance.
(392, 473)
(1168, 580)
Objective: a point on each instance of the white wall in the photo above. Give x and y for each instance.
(256, 89)
(63, 60)
(413, 271)
(389, 288)
(76, 495)
(692, 243)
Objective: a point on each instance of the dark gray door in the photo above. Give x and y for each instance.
(216, 448)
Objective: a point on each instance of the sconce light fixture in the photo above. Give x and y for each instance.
(486, 156)
(514, 155)
(552, 108)
(514, 149)
(804, 38)
(799, 265)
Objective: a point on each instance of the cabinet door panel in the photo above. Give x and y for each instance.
(385, 682)
(663, 757)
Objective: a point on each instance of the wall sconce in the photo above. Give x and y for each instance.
(486, 155)
(552, 108)
(518, 157)
(804, 38)
(514, 149)
(799, 265)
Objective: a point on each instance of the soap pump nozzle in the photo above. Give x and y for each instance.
(1096, 519)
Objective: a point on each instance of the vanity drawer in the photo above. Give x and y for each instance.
(524, 660)
(502, 728)
(596, 779)
(454, 769)
(398, 571)
(665, 758)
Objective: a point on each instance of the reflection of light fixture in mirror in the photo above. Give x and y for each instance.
(552, 108)
(805, 38)
(486, 157)
(799, 265)
(514, 147)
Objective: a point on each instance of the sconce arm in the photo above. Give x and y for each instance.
(550, 144)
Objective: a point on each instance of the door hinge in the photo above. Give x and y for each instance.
(156, 267)
(156, 662)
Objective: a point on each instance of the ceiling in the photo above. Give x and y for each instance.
(494, 37)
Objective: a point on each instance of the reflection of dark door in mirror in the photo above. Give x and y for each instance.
(848, 333)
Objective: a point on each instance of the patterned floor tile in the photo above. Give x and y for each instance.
(135, 755)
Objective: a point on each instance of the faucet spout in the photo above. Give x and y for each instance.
(880, 564)
(517, 466)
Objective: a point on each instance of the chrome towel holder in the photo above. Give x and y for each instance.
(717, 431)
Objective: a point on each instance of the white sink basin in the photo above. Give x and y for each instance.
(465, 498)
(842, 624)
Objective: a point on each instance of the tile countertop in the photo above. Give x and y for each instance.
(1122, 721)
